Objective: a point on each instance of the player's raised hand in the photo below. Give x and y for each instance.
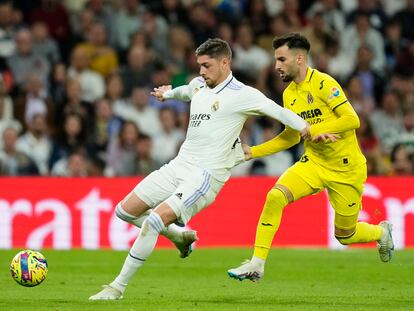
(325, 138)
(158, 92)
(247, 152)
(305, 133)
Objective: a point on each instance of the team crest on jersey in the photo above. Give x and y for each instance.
(196, 90)
(310, 98)
(215, 106)
(334, 92)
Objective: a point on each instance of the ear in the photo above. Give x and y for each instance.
(300, 58)
(225, 62)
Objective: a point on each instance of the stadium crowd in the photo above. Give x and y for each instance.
(75, 77)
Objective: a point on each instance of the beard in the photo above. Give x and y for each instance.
(287, 78)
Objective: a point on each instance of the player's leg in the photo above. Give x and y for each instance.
(297, 182)
(135, 211)
(345, 195)
(150, 192)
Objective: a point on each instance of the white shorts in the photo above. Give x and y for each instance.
(186, 188)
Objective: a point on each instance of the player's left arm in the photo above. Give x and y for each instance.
(347, 119)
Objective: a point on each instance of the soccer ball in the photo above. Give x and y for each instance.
(29, 268)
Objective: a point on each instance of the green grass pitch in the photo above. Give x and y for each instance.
(295, 279)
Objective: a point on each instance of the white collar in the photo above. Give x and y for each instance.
(219, 87)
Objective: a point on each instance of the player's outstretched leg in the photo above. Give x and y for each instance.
(183, 240)
(386, 244)
(249, 270)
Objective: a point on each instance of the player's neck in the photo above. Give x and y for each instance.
(222, 78)
(302, 74)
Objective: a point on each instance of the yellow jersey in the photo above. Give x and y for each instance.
(315, 99)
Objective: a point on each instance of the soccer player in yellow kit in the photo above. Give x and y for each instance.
(332, 158)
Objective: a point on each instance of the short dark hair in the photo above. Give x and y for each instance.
(293, 40)
(215, 48)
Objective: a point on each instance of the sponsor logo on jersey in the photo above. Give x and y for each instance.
(310, 98)
(312, 113)
(334, 92)
(215, 106)
(197, 118)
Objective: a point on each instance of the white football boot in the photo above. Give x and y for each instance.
(108, 293)
(385, 245)
(186, 245)
(247, 271)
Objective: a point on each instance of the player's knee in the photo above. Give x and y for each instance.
(344, 235)
(120, 213)
(275, 197)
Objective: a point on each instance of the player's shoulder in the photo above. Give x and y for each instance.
(235, 85)
(197, 82)
(319, 79)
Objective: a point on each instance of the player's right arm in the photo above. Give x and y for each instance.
(184, 92)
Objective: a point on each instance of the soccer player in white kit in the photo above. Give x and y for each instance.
(220, 105)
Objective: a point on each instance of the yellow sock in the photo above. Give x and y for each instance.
(364, 233)
(269, 222)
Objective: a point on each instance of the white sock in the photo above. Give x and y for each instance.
(172, 232)
(258, 261)
(140, 250)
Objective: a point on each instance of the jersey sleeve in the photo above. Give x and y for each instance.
(331, 92)
(256, 103)
(185, 92)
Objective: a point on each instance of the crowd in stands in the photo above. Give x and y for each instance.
(76, 76)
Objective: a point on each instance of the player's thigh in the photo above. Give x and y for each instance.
(300, 180)
(345, 195)
(157, 186)
(195, 192)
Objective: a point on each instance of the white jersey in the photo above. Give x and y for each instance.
(217, 116)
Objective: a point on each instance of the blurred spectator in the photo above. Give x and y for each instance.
(157, 30)
(401, 160)
(115, 90)
(140, 112)
(74, 6)
(12, 161)
(24, 62)
(72, 136)
(172, 11)
(370, 147)
(362, 33)
(225, 32)
(106, 126)
(387, 122)
(333, 17)
(74, 104)
(258, 17)
(405, 18)
(102, 57)
(103, 14)
(82, 25)
(75, 165)
(7, 31)
(57, 86)
(144, 163)
(56, 17)
(277, 27)
(363, 103)
(405, 60)
(249, 59)
(372, 79)
(293, 16)
(138, 71)
(121, 151)
(373, 10)
(167, 142)
(318, 34)
(201, 21)
(407, 135)
(96, 167)
(35, 142)
(394, 42)
(127, 21)
(35, 98)
(6, 104)
(44, 45)
(92, 84)
(180, 47)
